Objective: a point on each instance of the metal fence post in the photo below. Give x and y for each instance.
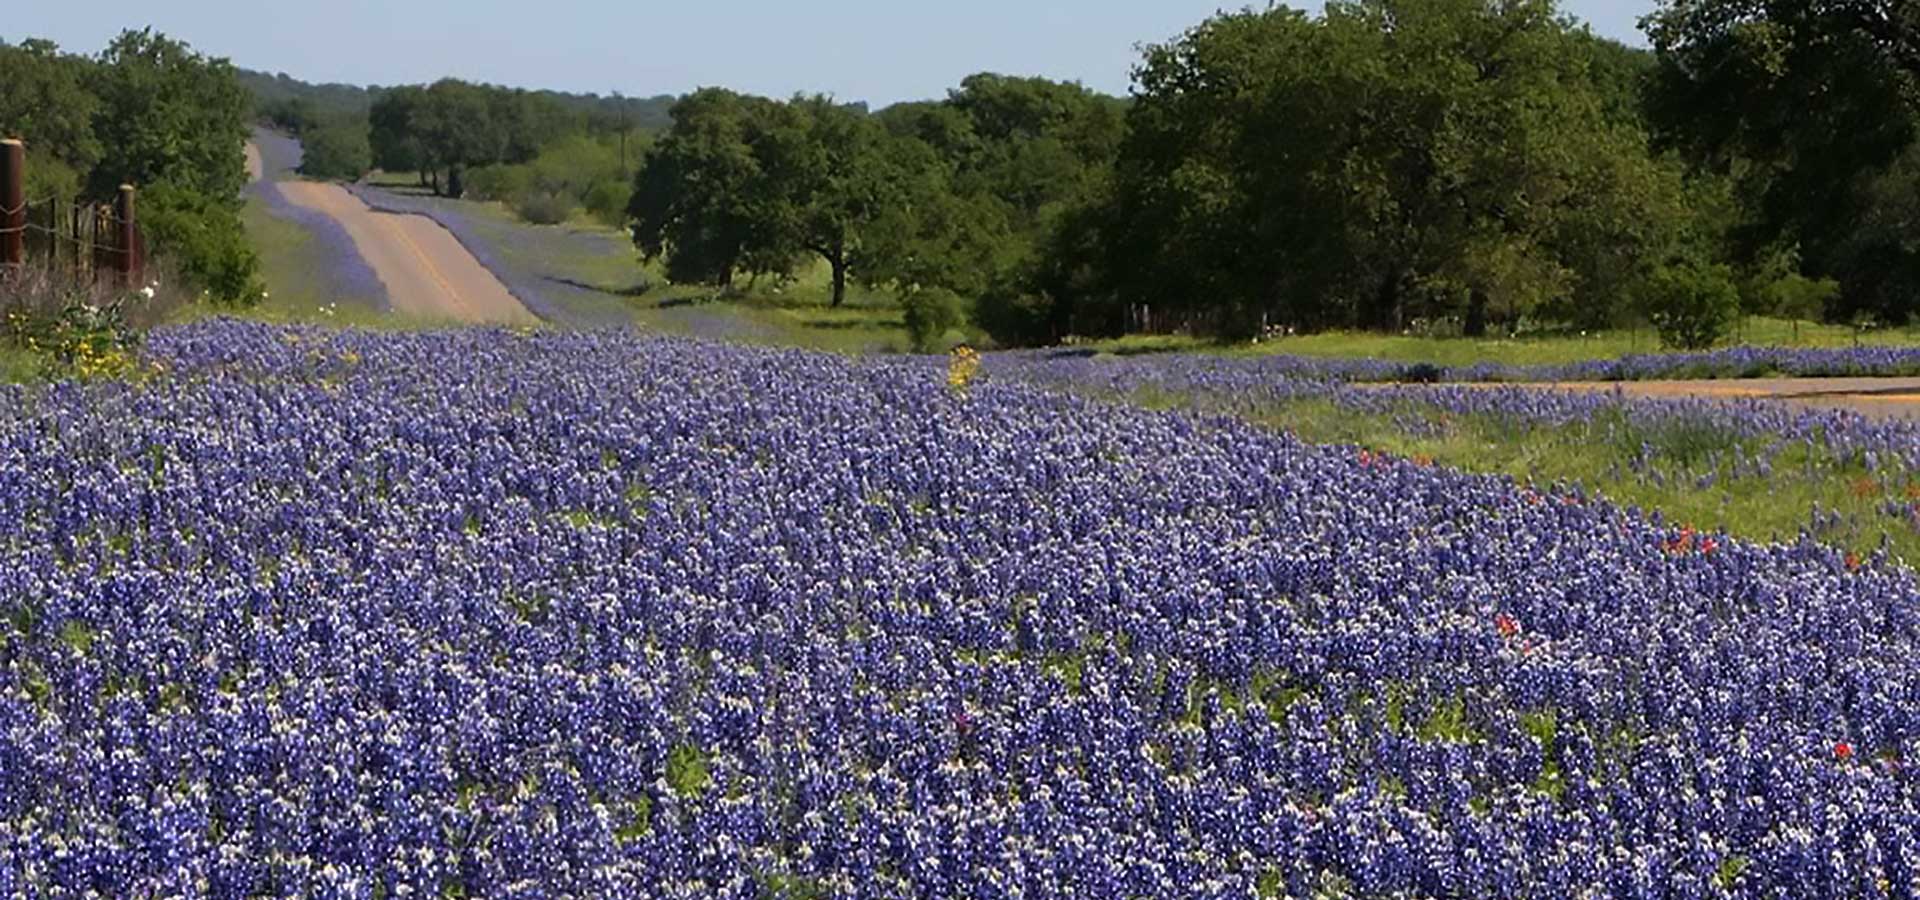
(13, 202)
(125, 241)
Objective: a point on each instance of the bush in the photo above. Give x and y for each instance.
(931, 313)
(1692, 305)
(336, 150)
(502, 182)
(204, 239)
(543, 209)
(607, 202)
(1014, 313)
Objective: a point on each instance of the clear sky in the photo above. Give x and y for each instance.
(880, 51)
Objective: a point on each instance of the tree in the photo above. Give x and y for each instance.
(169, 113)
(699, 198)
(829, 181)
(1017, 157)
(46, 103)
(1804, 103)
(1692, 305)
(392, 135)
(457, 130)
(336, 149)
(1392, 159)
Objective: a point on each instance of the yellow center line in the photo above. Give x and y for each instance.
(392, 224)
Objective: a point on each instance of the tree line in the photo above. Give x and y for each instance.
(1463, 165)
(148, 111)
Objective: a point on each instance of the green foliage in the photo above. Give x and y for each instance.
(1390, 160)
(205, 239)
(1810, 106)
(607, 202)
(794, 887)
(697, 196)
(151, 112)
(639, 821)
(542, 209)
(167, 113)
(687, 771)
(336, 149)
(452, 126)
(73, 333)
(574, 172)
(48, 103)
(930, 314)
(1692, 305)
(397, 146)
(499, 182)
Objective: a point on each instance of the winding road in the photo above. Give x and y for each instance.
(427, 273)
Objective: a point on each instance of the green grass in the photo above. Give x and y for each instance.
(18, 365)
(1521, 351)
(1696, 485)
(290, 264)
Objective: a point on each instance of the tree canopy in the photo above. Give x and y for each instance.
(148, 111)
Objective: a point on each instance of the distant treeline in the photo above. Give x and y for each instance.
(151, 112)
(1445, 165)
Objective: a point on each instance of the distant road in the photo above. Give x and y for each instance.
(1877, 397)
(425, 270)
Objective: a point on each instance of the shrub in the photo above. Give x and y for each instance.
(931, 313)
(1692, 305)
(336, 150)
(206, 241)
(607, 202)
(502, 182)
(1014, 317)
(543, 209)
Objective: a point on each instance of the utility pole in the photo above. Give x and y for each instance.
(620, 102)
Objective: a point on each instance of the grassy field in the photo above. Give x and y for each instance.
(1544, 350)
(1686, 470)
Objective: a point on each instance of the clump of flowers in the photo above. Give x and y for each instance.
(83, 338)
(963, 366)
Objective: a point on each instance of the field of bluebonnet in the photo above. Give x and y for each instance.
(480, 613)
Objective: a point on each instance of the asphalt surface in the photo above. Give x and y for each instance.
(426, 272)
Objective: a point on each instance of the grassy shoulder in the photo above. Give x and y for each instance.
(1524, 351)
(1691, 472)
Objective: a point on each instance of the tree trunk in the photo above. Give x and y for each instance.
(434, 177)
(456, 182)
(1476, 324)
(1386, 311)
(839, 263)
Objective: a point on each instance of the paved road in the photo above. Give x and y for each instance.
(427, 273)
(1879, 397)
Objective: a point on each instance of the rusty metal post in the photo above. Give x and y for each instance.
(125, 243)
(53, 236)
(13, 202)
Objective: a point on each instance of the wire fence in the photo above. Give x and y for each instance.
(80, 239)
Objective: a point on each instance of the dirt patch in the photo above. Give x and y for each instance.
(426, 272)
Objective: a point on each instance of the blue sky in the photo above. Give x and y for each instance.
(880, 51)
